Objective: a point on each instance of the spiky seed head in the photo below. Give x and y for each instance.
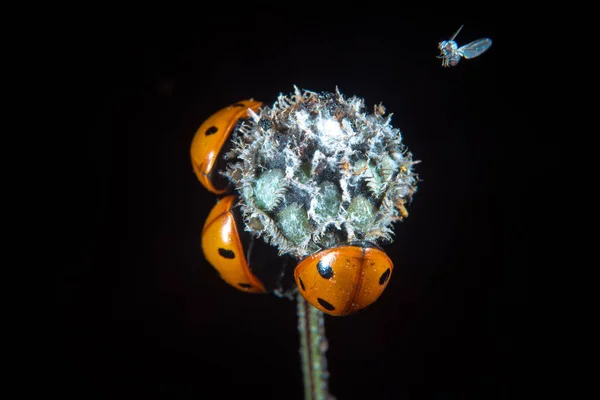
(315, 170)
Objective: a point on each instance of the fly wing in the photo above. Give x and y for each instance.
(475, 48)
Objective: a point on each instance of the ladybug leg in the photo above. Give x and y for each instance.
(284, 284)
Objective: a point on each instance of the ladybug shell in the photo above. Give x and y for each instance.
(344, 279)
(212, 136)
(224, 250)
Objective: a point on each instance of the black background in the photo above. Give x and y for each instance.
(139, 313)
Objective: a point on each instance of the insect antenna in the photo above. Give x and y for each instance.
(453, 36)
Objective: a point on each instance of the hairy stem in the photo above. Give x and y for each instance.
(313, 345)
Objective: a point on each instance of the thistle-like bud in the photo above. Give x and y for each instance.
(315, 170)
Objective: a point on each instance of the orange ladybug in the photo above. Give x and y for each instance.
(243, 261)
(224, 249)
(211, 139)
(344, 279)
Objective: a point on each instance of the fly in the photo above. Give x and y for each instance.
(450, 53)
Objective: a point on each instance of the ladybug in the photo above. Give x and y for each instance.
(211, 142)
(344, 279)
(243, 261)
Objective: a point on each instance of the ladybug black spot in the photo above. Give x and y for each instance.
(245, 285)
(211, 131)
(325, 270)
(301, 283)
(225, 253)
(325, 305)
(384, 276)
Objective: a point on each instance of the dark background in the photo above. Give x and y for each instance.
(140, 314)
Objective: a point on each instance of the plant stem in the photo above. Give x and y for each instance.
(313, 345)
